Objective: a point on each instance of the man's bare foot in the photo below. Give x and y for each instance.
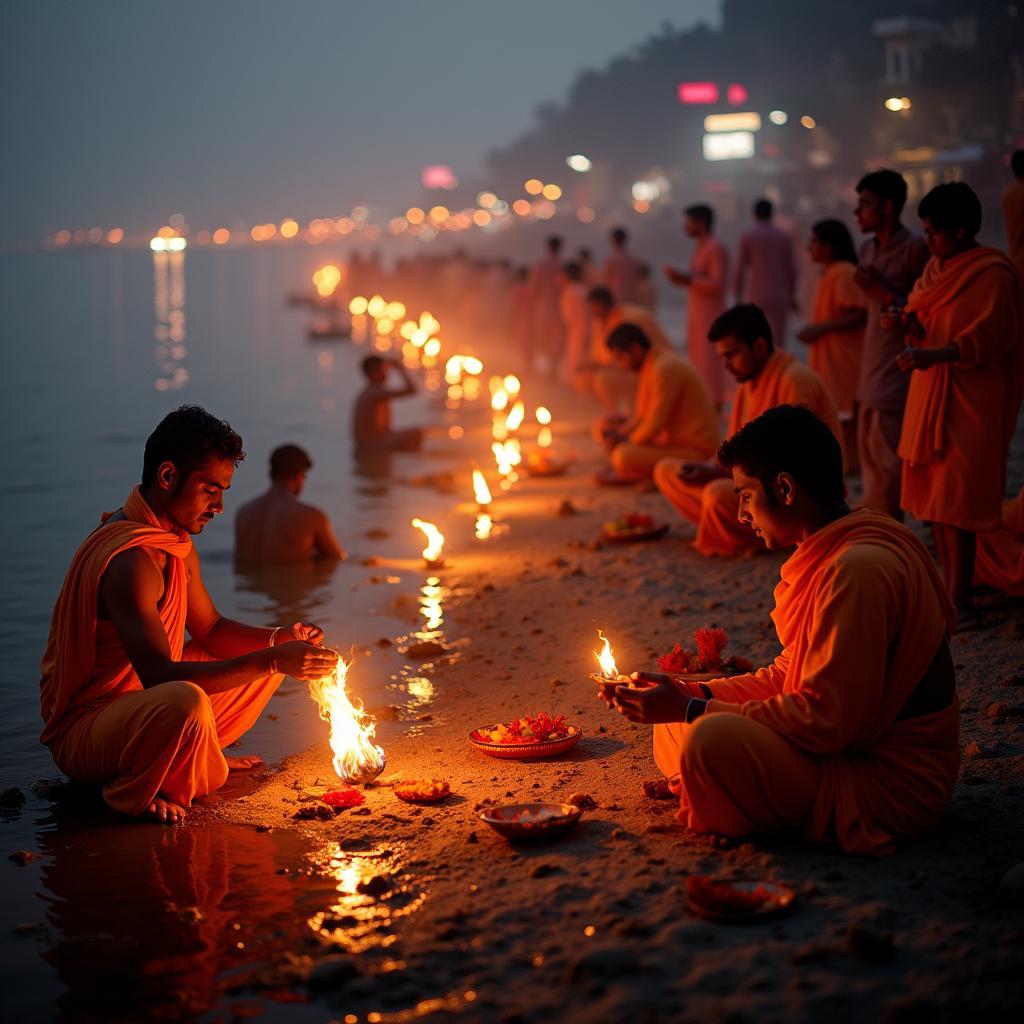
(244, 763)
(165, 811)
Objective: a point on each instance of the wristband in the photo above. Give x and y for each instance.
(694, 709)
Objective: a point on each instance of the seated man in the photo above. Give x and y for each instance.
(703, 492)
(851, 736)
(125, 701)
(276, 526)
(672, 415)
(371, 417)
(613, 387)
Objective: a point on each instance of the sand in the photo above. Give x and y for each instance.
(438, 915)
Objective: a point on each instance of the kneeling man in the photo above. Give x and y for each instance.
(851, 736)
(125, 701)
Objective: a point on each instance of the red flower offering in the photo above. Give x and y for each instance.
(343, 798)
(711, 642)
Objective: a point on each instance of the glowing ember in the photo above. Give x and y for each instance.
(484, 526)
(606, 659)
(356, 757)
(435, 540)
(481, 491)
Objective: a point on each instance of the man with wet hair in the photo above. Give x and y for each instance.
(371, 417)
(702, 491)
(851, 736)
(276, 527)
(126, 702)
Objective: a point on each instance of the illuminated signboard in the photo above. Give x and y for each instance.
(438, 176)
(729, 146)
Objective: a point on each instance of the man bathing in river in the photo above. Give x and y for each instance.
(851, 736)
(126, 702)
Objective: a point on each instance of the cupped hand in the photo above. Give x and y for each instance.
(302, 660)
(307, 631)
(650, 703)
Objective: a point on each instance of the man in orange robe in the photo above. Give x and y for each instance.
(673, 413)
(999, 562)
(703, 492)
(965, 326)
(125, 702)
(851, 736)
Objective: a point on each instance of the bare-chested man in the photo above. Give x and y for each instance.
(371, 418)
(126, 702)
(276, 526)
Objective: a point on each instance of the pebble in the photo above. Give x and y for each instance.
(584, 801)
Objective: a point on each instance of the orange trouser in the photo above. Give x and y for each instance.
(713, 507)
(736, 776)
(165, 741)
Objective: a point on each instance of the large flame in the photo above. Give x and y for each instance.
(481, 491)
(435, 540)
(356, 757)
(606, 659)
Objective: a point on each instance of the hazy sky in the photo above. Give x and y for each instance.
(120, 112)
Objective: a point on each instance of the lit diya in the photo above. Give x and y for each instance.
(527, 737)
(357, 759)
(481, 492)
(433, 553)
(632, 527)
(609, 677)
(739, 900)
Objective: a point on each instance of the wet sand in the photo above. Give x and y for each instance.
(395, 912)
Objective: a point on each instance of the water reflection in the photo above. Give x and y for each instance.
(169, 326)
(295, 591)
(432, 596)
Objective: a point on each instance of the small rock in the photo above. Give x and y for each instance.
(566, 508)
(584, 801)
(22, 857)
(542, 870)
(264, 828)
(314, 812)
(423, 649)
(428, 821)
(472, 838)
(332, 972)
(667, 613)
(556, 682)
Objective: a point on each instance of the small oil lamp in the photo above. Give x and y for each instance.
(609, 676)
(433, 553)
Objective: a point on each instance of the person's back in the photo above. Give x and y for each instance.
(767, 255)
(623, 272)
(276, 526)
(371, 415)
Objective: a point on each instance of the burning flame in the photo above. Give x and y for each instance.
(499, 400)
(480, 489)
(515, 418)
(543, 415)
(606, 659)
(484, 526)
(435, 540)
(356, 757)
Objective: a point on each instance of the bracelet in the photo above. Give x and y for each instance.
(694, 709)
(273, 635)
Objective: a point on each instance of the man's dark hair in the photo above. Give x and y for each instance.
(746, 322)
(702, 213)
(625, 336)
(763, 209)
(372, 363)
(619, 236)
(287, 461)
(836, 235)
(951, 206)
(1017, 163)
(572, 270)
(188, 437)
(601, 295)
(554, 243)
(788, 439)
(886, 184)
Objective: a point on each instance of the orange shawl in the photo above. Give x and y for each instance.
(860, 611)
(81, 667)
(944, 282)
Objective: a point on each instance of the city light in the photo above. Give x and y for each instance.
(579, 163)
(897, 103)
(779, 117)
(698, 92)
(438, 176)
(745, 122)
(534, 186)
(737, 94)
(551, 192)
(729, 146)
(808, 122)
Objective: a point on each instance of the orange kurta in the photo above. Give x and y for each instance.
(999, 561)
(715, 507)
(815, 741)
(100, 723)
(960, 416)
(835, 356)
